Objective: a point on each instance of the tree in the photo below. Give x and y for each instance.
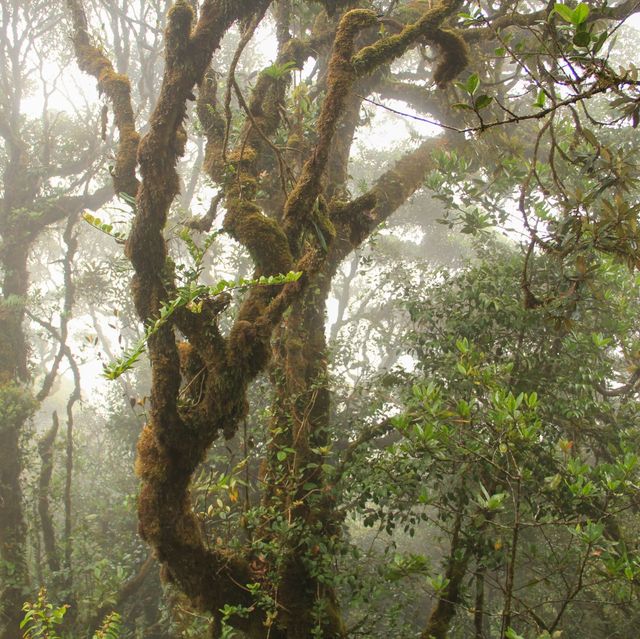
(280, 166)
(514, 452)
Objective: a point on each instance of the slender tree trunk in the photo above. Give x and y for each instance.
(511, 567)
(45, 449)
(445, 609)
(478, 608)
(68, 484)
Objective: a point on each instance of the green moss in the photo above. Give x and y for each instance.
(294, 141)
(323, 223)
(17, 405)
(392, 47)
(118, 89)
(390, 189)
(261, 236)
(371, 57)
(340, 78)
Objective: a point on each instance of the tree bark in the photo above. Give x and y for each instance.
(45, 449)
(445, 609)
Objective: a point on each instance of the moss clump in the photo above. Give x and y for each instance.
(356, 216)
(324, 225)
(371, 57)
(241, 338)
(124, 172)
(390, 189)
(17, 405)
(148, 507)
(150, 461)
(117, 88)
(179, 21)
(188, 356)
(392, 47)
(245, 155)
(294, 141)
(261, 236)
(455, 55)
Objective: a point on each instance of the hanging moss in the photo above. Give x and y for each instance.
(455, 55)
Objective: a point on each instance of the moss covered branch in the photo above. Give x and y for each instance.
(340, 78)
(117, 88)
(454, 50)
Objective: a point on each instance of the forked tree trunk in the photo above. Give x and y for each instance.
(299, 237)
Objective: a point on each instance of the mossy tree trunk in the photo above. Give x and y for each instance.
(298, 485)
(16, 407)
(16, 401)
(310, 225)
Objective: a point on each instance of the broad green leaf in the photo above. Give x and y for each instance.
(580, 13)
(483, 101)
(277, 71)
(565, 12)
(472, 84)
(582, 39)
(540, 99)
